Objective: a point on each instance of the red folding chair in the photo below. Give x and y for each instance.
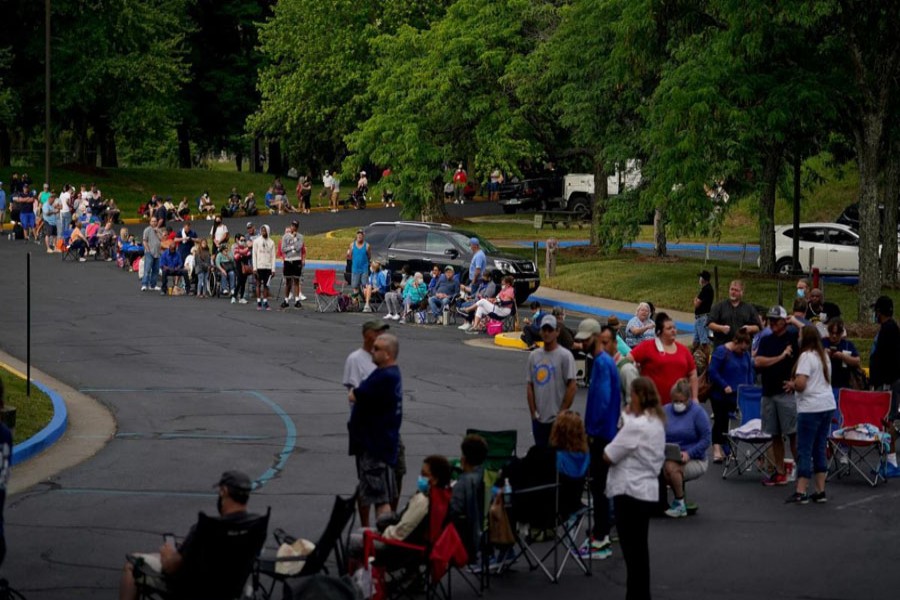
(862, 443)
(326, 294)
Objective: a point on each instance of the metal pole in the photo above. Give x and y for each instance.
(47, 92)
(28, 325)
(743, 256)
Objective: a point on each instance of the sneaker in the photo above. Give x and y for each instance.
(465, 326)
(163, 293)
(284, 304)
(775, 479)
(818, 497)
(143, 288)
(596, 549)
(302, 297)
(82, 259)
(233, 299)
(242, 301)
(387, 316)
(297, 304)
(462, 201)
(797, 498)
(677, 509)
(367, 308)
(157, 288)
(266, 306)
(456, 202)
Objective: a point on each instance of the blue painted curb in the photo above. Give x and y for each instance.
(47, 436)
(752, 249)
(598, 311)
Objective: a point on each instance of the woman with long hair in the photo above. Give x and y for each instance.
(811, 384)
(636, 456)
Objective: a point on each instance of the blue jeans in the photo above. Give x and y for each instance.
(437, 305)
(812, 438)
(701, 331)
(151, 270)
(202, 283)
(228, 281)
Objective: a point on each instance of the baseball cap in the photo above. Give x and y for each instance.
(375, 326)
(449, 268)
(549, 321)
(235, 480)
(884, 305)
(249, 224)
(586, 329)
(474, 240)
(295, 222)
(777, 312)
(704, 275)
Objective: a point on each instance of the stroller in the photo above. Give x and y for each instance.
(357, 200)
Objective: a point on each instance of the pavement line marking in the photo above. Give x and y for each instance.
(866, 500)
(14, 371)
(290, 440)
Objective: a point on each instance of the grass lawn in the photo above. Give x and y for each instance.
(32, 414)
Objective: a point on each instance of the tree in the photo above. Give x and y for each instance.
(444, 94)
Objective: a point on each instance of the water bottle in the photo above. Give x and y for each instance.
(507, 493)
(445, 316)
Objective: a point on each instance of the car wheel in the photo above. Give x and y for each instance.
(785, 266)
(581, 207)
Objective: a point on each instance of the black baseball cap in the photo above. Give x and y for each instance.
(235, 480)
(884, 305)
(704, 275)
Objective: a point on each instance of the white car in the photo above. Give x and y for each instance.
(835, 246)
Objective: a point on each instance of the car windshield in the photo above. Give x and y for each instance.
(462, 238)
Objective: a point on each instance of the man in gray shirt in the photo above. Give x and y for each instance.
(151, 239)
(551, 382)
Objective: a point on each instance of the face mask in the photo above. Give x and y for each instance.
(422, 484)
(219, 504)
(679, 407)
(801, 293)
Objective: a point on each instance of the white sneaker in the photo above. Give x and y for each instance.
(456, 202)
(233, 300)
(156, 288)
(242, 301)
(396, 317)
(388, 316)
(677, 509)
(465, 326)
(462, 201)
(302, 298)
(143, 288)
(367, 308)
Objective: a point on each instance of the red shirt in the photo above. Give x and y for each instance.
(460, 178)
(664, 369)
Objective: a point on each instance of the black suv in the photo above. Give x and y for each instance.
(423, 245)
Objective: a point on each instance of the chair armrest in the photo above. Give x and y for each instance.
(370, 537)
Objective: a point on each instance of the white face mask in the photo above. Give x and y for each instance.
(679, 407)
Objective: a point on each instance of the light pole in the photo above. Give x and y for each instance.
(47, 92)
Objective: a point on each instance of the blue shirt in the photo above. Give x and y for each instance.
(2, 200)
(447, 286)
(601, 414)
(479, 263)
(727, 369)
(690, 430)
(379, 281)
(171, 260)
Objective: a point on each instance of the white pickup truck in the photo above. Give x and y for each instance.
(578, 188)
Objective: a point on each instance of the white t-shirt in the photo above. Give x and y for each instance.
(637, 454)
(221, 232)
(817, 397)
(64, 199)
(357, 368)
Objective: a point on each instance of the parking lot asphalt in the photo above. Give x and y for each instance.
(200, 386)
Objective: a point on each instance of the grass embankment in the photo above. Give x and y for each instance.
(32, 414)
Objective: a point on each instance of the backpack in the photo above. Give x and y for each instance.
(343, 303)
(18, 231)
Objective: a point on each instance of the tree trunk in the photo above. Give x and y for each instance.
(601, 202)
(106, 138)
(5, 148)
(868, 149)
(433, 208)
(81, 141)
(659, 232)
(889, 225)
(239, 161)
(255, 162)
(771, 168)
(274, 158)
(795, 241)
(184, 147)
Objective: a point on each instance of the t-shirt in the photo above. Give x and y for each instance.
(479, 262)
(602, 408)
(357, 367)
(549, 372)
(151, 242)
(840, 371)
(724, 313)
(376, 415)
(26, 204)
(706, 298)
(663, 368)
(633, 339)
(48, 211)
(774, 376)
(2, 200)
(828, 311)
(818, 396)
(884, 361)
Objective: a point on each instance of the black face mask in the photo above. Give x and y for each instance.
(219, 505)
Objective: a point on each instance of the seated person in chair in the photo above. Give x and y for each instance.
(166, 570)
(467, 500)
(171, 265)
(377, 285)
(687, 425)
(77, 241)
(531, 333)
(499, 307)
(415, 293)
(485, 288)
(445, 290)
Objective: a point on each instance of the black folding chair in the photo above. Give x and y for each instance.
(342, 515)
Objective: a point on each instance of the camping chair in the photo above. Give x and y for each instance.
(863, 440)
(220, 560)
(565, 519)
(331, 540)
(323, 285)
(748, 444)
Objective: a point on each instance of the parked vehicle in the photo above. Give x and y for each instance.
(530, 194)
(423, 245)
(835, 248)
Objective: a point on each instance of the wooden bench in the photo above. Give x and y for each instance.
(566, 218)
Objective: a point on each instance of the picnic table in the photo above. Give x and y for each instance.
(566, 218)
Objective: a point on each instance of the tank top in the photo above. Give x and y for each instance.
(359, 258)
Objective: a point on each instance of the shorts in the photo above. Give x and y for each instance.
(27, 220)
(357, 280)
(50, 229)
(262, 277)
(335, 195)
(779, 414)
(377, 481)
(695, 468)
(701, 331)
(293, 268)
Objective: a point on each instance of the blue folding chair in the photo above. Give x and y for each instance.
(748, 444)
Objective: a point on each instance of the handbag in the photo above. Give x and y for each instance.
(246, 269)
(494, 327)
(499, 530)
